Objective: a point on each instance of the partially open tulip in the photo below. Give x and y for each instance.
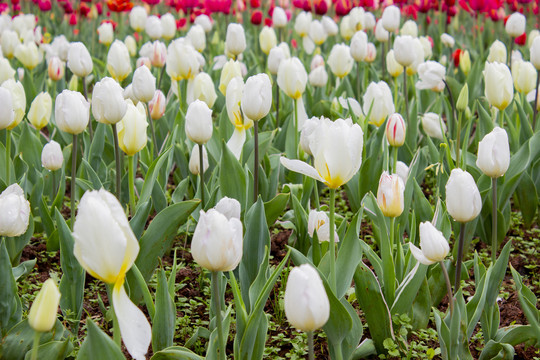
(118, 62)
(391, 18)
(390, 194)
(499, 89)
(15, 210)
(156, 52)
(108, 104)
(431, 76)
(157, 105)
(199, 122)
(433, 125)
(106, 248)
(182, 60)
(395, 130)
(132, 129)
(79, 60)
(29, 55)
(204, 90)
(463, 200)
(7, 115)
(497, 52)
(404, 50)
(317, 33)
(42, 315)
(52, 157)
(340, 60)
(137, 18)
(318, 77)
(257, 97)
(230, 70)
(55, 68)
(306, 304)
(194, 160)
(337, 150)
(40, 110)
(235, 40)
(275, 56)
(292, 77)
(433, 245)
(144, 84)
(217, 241)
(494, 153)
(524, 75)
(18, 101)
(378, 102)
(10, 41)
(515, 24)
(465, 62)
(106, 33)
(302, 22)
(319, 221)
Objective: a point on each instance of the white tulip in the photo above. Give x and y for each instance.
(494, 153)
(15, 210)
(433, 245)
(463, 200)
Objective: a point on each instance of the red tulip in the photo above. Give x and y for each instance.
(256, 17)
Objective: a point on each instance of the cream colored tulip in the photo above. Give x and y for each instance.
(40, 110)
(131, 129)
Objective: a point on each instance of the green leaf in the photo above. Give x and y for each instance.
(176, 353)
(407, 290)
(98, 345)
(52, 350)
(18, 341)
(151, 176)
(274, 208)
(349, 255)
(10, 304)
(528, 300)
(232, 181)
(497, 351)
(163, 321)
(23, 269)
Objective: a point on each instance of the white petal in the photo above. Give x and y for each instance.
(419, 255)
(135, 329)
(301, 167)
(236, 142)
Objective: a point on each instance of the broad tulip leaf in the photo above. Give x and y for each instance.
(151, 176)
(98, 345)
(18, 341)
(52, 350)
(274, 208)
(349, 255)
(165, 314)
(23, 269)
(176, 353)
(10, 303)
(232, 180)
(497, 351)
(528, 300)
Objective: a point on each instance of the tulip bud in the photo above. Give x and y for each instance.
(106, 33)
(306, 304)
(15, 210)
(144, 84)
(359, 46)
(108, 104)
(448, 40)
(42, 315)
(535, 53)
(499, 89)
(433, 125)
(317, 61)
(340, 60)
(143, 61)
(203, 89)
(409, 28)
(217, 241)
(318, 77)
(292, 77)
(257, 97)
(267, 39)
(10, 41)
(157, 105)
(463, 99)
(199, 122)
(194, 160)
(390, 194)
(346, 28)
(395, 130)
(515, 24)
(432, 75)
(18, 101)
(235, 40)
(279, 18)
(131, 45)
(229, 207)
(56, 68)
(433, 245)
(319, 221)
(118, 63)
(404, 50)
(131, 129)
(71, 112)
(465, 62)
(497, 52)
(494, 153)
(378, 102)
(137, 18)
(153, 27)
(79, 60)
(524, 75)
(28, 55)
(463, 200)
(197, 37)
(40, 110)
(390, 18)
(52, 157)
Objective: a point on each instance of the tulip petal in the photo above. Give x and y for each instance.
(134, 327)
(419, 255)
(302, 115)
(301, 167)
(236, 142)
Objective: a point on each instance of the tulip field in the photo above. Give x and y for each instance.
(277, 179)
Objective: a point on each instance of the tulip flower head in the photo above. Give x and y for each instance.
(390, 194)
(337, 150)
(524, 75)
(433, 245)
(235, 40)
(40, 110)
(499, 89)
(229, 207)
(156, 106)
(118, 62)
(395, 130)
(217, 241)
(52, 157)
(18, 101)
(71, 112)
(144, 84)
(79, 60)
(194, 160)
(463, 200)
(432, 75)
(257, 97)
(515, 24)
(378, 102)
(108, 104)
(15, 210)
(292, 77)
(106, 248)
(497, 52)
(433, 125)
(340, 60)
(131, 129)
(55, 68)
(319, 221)
(42, 315)
(306, 304)
(494, 153)
(535, 53)
(199, 122)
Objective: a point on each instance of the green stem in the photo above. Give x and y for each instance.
(277, 100)
(405, 93)
(510, 52)
(217, 308)
(131, 175)
(448, 287)
(296, 126)
(117, 156)
(73, 185)
(8, 156)
(117, 337)
(535, 103)
(154, 142)
(310, 345)
(392, 232)
(494, 220)
(458, 140)
(383, 62)
(86, 97)
(457, 283)
(201, 173)
(332, 241)
(451, 97)
(161, 73)
(394, 153)
(35, 345)
(53, 176)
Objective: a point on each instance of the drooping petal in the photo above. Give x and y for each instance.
(301, 167)
(236, 142)
(135, 329)
(419, 255)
